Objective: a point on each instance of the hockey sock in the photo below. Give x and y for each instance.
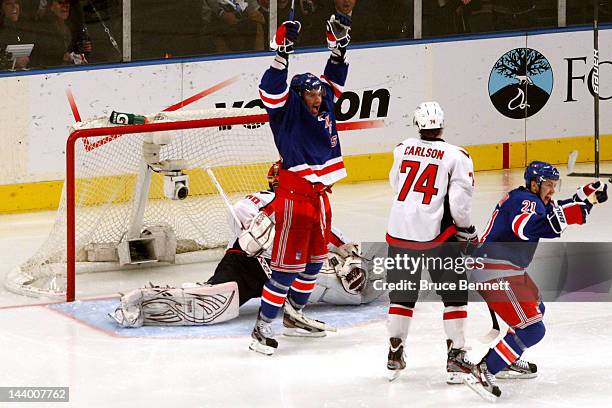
(455, 318)
(512, 346)
(303, 285)
(274, 294)
(398, 320)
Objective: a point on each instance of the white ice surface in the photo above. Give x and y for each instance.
(40, 347)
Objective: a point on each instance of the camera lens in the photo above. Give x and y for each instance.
(181, 191)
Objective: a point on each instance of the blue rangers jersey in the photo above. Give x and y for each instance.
(520, 216)
(309, 145)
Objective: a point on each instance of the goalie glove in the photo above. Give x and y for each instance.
(352, 276)
(259, 236)
(284, 41)
(592, 193)
(560, 217)
(338, 29)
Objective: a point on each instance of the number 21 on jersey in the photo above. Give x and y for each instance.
(425, 183)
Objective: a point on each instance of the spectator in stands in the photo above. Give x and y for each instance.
(56, 44)
(452, 17)
(13, 32)
(365, 14)
(235, 25)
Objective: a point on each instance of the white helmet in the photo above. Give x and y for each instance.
(429, 115)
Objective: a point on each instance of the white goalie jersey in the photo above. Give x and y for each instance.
(433, 183)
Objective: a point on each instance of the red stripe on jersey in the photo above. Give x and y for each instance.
(403, 243)
(489, 226)
(272, 297)
(334, 87)
(457, 314)
(506, 352)
(273, 101)
(303, 286)
(321, 172)
(516, 225)
(400, 311)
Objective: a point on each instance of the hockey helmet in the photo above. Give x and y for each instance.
(307, 82)
(429, 115)
(273, 175)
(540, 171)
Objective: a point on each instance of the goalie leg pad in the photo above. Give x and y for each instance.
(200, 305)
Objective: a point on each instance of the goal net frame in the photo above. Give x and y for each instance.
(101, 132)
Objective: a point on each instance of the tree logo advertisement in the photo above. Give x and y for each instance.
(520, 83)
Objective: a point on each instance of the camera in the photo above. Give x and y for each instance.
(176, 185)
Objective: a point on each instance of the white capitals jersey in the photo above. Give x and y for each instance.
(433, 183)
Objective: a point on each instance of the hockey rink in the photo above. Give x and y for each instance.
(78, 346)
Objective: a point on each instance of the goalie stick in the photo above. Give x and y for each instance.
(296, 315)
(260, 259)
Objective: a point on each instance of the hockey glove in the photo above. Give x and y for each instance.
(593, 193)
(352, 276)
(286, 36)
(468, 239)
(259, 236)
(560, 217)
(338, 29)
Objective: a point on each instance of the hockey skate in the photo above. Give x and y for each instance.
(395, 359)
(483, 382)
(457, 366)
(263, 340)
(519, 369)
(298, 325)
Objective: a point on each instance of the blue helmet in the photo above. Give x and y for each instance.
(540, 171)
(307, 82)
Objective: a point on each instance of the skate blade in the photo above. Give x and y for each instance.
(392, 375)
(260, 348)
(295, 332)
(455, 378)
(513, 375)
(477, 387)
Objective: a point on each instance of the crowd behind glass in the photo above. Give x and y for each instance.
(74, 32)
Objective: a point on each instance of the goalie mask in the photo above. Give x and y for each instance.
(273, 175)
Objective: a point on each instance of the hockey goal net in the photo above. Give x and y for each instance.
(121, 203)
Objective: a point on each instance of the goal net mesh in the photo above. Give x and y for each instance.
(108, 178)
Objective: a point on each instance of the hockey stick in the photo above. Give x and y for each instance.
(230, 207)
(292, 11)
(494, 332)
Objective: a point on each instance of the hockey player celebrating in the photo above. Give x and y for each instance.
(523, 216)
(240, 276)
(304, 127)
(433, 184)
